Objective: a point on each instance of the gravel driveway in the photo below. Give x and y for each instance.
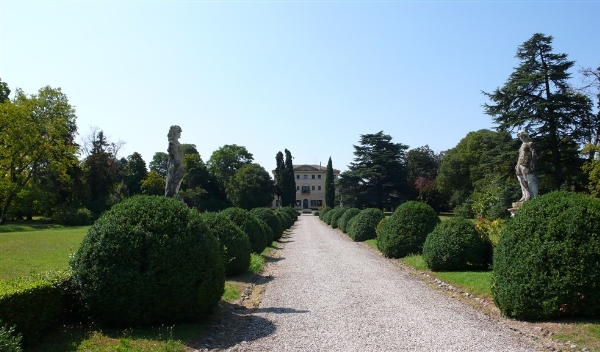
(331, 294)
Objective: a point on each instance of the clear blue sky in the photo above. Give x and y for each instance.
(308, 76)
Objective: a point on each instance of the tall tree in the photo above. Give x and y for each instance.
(251, 187)
(279, 176)
(135, 173)
(159, 164)
(537, 98)
(36, 140)
(153, 184)
(377, 177)
(423, 166)
(329, 185)
(288, 195)
(4, 91)
(199, 188)
(225, 161)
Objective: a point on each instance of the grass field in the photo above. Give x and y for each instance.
(37, 249)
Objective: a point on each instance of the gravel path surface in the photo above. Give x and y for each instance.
(331, 294)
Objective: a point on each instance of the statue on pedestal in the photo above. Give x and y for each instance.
(175, 166)
(525, 170)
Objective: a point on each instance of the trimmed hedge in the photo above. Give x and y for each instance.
(234, 242)
(336, 217)
(149, 260)
(364, 224)
(345, 218)
(406, 230)
(250, 225)
(547, 262)
(286, 220)
(323, 211)
(455, 244)
(291, 212)
(36, 303)
(267, 215)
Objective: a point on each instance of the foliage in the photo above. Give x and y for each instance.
(406, 230)
(135, 173)
(266, 229)
(225, 161)
(479, 155)
(491, 230)
(324, 210)
(199, 188)
(149, 260)
(364, 224)
(335, 217)
(345, 218)
(153, 184)
(538, 98)
(492, 197)
(257, 263)
(328, 215)
(234, 242)
(455, 244)
(377, 176)
(10, 341)
(159, 164)
(4, 91)
(250, 187)
(285, 218)
(279, 174)
(288, 195)
(250, 225)
(35, 303)
(547, 262)
(329, 185)
(465, 210)
(293, 214)
(37, 145)
(71, 216)
(268, 216)
(423, 166)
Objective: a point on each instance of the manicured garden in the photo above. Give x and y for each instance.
(146, 276)
(540, 266)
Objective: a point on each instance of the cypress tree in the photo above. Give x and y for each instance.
(288, 197)
(329, 186)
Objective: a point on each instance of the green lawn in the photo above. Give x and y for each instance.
(34, 251)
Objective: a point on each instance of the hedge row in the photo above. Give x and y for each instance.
(148, 260)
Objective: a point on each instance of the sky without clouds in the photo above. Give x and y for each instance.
(309, 76)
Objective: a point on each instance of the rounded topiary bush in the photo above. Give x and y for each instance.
(364, 224)
(323, 211)
(345, 218)
(547, 262)
(285, 219)
(329, 215)
(335, 218)
(147, 260)
(291, 212)
(234, 242)
(267, 215)
(267, 231)
(455, 244)
(406, 230)
(250, 225)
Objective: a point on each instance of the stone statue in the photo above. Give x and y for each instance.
(526, 168)
(175, 167)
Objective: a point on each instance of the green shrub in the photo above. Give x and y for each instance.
(291, 212)
(350, 225)
(327, 217)
(455, 244)
(284, 220)
(149, 260)
(251, 226)
(405, 231)
(335, 218)
(547, 262)
(72, 216)
(10, 341)
(234, 242)
(266, 230)
(267, 215)
(363, 227)
(345, 218)
(465, 210)
(323, 211)
(34, 304)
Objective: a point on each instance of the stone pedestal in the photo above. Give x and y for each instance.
(515, 207)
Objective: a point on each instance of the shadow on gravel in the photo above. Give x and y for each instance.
(236, 325)
(273, 260)
(277, 310)
(285, 241)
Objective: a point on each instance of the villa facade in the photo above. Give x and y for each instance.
(310, 186)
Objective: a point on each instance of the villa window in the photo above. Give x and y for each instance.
(297, 177)
(306, 177)
(305, 189)
(313, 177)
(319, 177)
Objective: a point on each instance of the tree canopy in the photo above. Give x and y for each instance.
(377, 177)
(250, 187)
